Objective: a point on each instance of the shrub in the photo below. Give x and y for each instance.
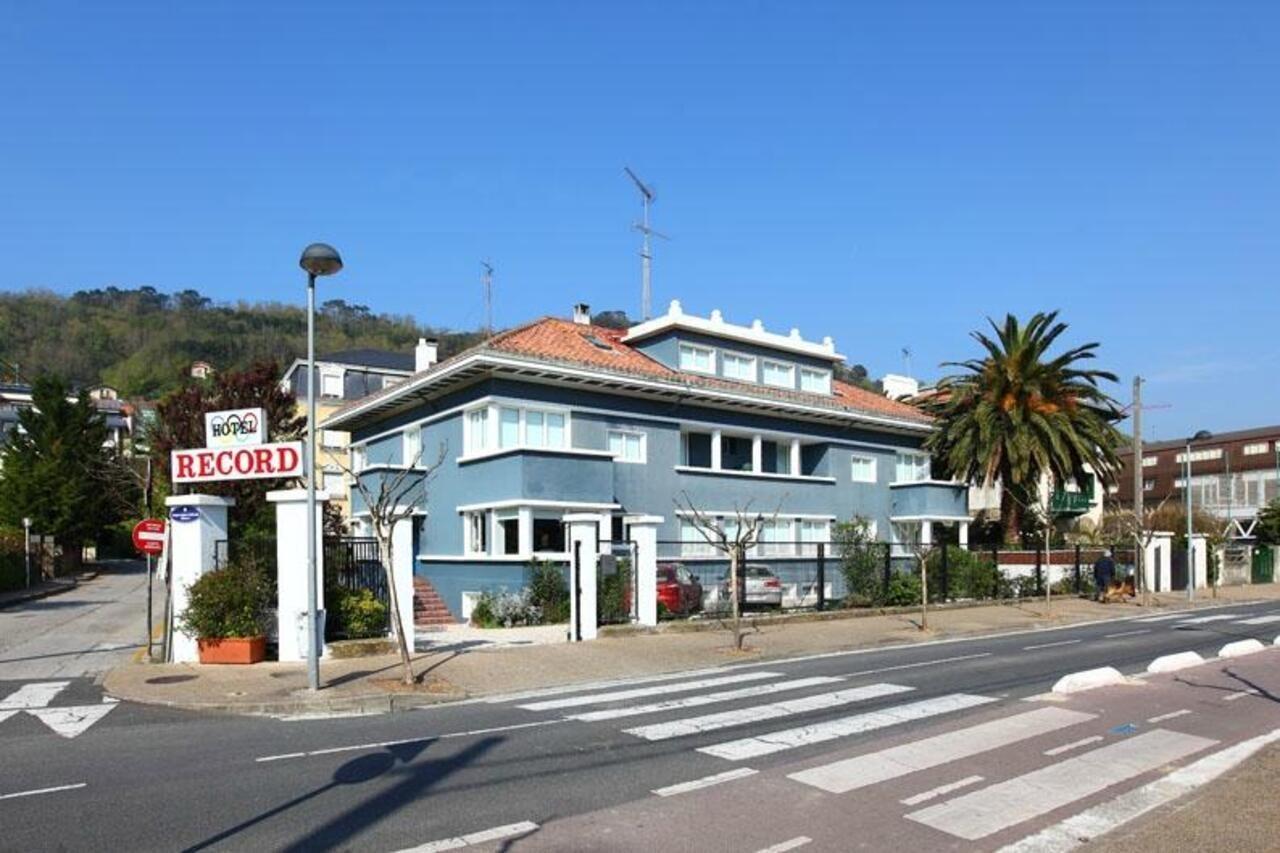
(358, 613)
(861, 561)
(615, 594)
(504, 609)
(549, 591)
(904, 589)
(229, 602)
(970, 574)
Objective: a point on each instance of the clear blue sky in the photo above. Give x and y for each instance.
(887, 175)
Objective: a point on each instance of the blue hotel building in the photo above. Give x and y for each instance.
(560, 416)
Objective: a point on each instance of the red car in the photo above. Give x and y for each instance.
(678, 590)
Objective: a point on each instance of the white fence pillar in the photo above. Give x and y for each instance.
(1158, 562)
(402, 558)
(197, 524)
(644, 532)
(1200, 560)
(584, 556)
(291, 570)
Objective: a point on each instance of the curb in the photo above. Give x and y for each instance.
(1089, 679)
(1240, 648)
(44, 593)
(362, 705)
(1174, 662)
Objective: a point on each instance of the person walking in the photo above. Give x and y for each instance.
(1104, 571)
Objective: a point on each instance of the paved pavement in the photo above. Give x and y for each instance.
(818, 752)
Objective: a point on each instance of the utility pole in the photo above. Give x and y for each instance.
(487, 279)
(1139, 499)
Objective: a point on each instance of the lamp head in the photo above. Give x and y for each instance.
(320, 259)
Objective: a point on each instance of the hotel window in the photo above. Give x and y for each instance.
(330, 384)
(816, 381)
(1148, 485)
(477, 531)
(777, 538)
(911, 468)
(359, 458)
(412, 445)
(507, 533)
(1200, 455)
(477, 430)
(815, 530)
(1150, 461)
(692, 543)
(739, 366)
(1255, 449)
(698, 359)
(864, 469)
(626, 446)
(779, 374)
(508, 427)
(332, 438)
(335, 484)
(548, 535)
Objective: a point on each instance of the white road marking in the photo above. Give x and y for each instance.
(759, 713)
(991, 809)
(385, 743)
(705, 699)
(1160, 718)
(1050, 645)
(1161, 618)
(1075, 744)
(784, 846)
(1260, 620)
(1126, 634)
(640, 692)
(1087, 825)
(840, 777)
(914, 665)
(934, 793)
(37, 694)
(562, 689)
(749, 747)
(705, 782)
(4, 715)
(43, 791)
(72, 721)
(1217, 617)
(482, 837)
(1240, 694)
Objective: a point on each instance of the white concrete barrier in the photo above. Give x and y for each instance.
(1240, 648)
(1175, 662)
(1089, 679)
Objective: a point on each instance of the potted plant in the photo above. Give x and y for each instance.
(226, 613)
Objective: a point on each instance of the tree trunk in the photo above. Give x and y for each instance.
(735, 592)
(397, 624)
(1010, 518)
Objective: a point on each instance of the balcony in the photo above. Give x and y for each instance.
(563, 475)
(935, 500)
(1065, 503)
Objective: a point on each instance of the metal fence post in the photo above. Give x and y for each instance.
(1078, 588)
(945, 549)
(1039, 571)
(996, 575)
(888, 567)
(822, 575)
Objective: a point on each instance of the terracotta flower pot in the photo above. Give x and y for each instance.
(233, 650)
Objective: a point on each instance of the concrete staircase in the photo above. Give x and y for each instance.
(429, 610)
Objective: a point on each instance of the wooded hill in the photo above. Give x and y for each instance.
(143, 342)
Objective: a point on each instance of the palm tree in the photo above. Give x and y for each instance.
(1017, 413)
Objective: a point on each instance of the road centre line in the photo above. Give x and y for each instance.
(1051, 645)
(1240, 694)
(705, 782)
(640, 692)
(484, 836)
(934, 793)
(1075, 744)
(1160, 718)
(1126, 634)
(385, 743)
(749, 692)
(1261, 620)
(915, 665)
(32, 793)
(784, 846)
(1200, 620)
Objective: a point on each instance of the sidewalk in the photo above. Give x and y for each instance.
(458, 665)
(46, 588)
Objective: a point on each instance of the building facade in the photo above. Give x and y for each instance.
(560, 416)
(1233, 474)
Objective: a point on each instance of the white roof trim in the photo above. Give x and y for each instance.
(675, 318)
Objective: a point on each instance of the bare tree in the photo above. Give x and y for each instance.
(733, 541)
(395, 498)
(1125, 524)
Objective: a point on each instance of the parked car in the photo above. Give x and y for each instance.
(678, 590)
(763, 588)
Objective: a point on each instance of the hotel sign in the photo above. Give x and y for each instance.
(235, 428)
(259, 462)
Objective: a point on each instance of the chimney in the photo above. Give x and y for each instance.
(425, 354)
(582, 314)
(897, 387)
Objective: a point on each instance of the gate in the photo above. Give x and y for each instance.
(1178, 569)
(352, 563)
(1264, 567)
(616, 599)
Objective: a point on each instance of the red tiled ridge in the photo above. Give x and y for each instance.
(429, 609)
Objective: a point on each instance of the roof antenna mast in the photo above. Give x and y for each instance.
(906, 358)
(486, 278)
(646, 254)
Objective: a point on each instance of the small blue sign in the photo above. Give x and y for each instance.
(184, 513)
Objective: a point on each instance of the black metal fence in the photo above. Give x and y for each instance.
(351, 564)
(820, 575)
(616, 599)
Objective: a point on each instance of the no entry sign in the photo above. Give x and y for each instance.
(258, 462)
(148, 536)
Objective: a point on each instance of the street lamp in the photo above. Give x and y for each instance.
(318, 259)
(1191, 563)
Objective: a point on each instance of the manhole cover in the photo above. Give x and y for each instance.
(171, 679)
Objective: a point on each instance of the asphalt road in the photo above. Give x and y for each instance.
(141, 778)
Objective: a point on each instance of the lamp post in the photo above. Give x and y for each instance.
(318, 259)
(1191, 563)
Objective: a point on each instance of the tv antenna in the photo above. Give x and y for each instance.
(906, 359)
(646, 253)
(486, 278)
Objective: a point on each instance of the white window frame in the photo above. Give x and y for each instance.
(476, 535)
(336, 374)
(338, 493)
(788, 366)
(492, 428)
(1257, 448)
(411, 445)
(692, 543)
(1206, 454)
(359, 458)
(1150, 461)
(693, 349)
(388, 381)
(1149, 485)
(823, 376)
(624, 434)
(477, 430)
(898, 462)
(333, 439)
(753, 371)
(864, 457)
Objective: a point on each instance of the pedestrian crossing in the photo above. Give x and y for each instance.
(1176, 620)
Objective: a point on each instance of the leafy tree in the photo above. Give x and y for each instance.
(1019, 412)
(613, 319)
(48, 469)
(1268, 529)
(180, 425)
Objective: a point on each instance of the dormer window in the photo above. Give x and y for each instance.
(697, 359)
(737, 366)
(778, 374)
(815, 381)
